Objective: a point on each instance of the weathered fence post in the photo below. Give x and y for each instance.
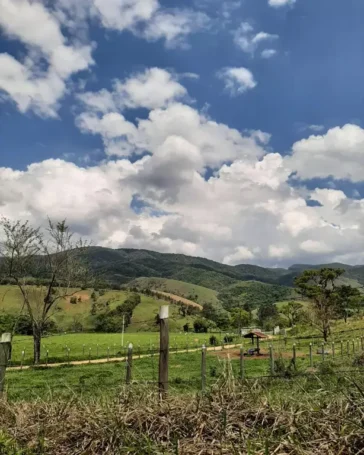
(271, 359)
(163, 351)
(129, 363)
(242, 372)
(22, 359)
(294, 354)
(5, 353)
(311, 359)
(203, 368)
(323, 351)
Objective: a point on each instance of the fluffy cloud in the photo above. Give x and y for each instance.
(237, 80)
(338, 153)
(23, 81)
(268, 53)
(245, 212)
(247, 40)
(150, 89)
(280, 3)
(175, 25)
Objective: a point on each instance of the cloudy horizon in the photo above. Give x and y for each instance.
(230, 130)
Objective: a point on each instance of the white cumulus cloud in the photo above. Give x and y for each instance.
(237, 80)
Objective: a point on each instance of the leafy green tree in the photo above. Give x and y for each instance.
(200, 325)
(293, 312)
(240, 318)
(267, 312)
(328, 299)
(349, 299)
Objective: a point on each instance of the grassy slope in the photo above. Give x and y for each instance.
(67, 313)
(183, 289)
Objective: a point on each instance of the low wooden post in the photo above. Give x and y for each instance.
(203, 368)
(129, 363)
(163, 351)
(294, 354)
(323, 351)
(271, 359)
(5, 353)
(22, 359)
(242, 369)
(311, 359)
(333, 349)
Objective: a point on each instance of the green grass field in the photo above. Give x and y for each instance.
(67, 315)
(82, 346)
(190, 291)
(184, 374)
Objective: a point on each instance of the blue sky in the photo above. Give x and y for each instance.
(256, 106)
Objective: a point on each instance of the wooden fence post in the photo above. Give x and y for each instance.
(5, 353)
(311, 359)
(242, 372)
(203, 368)
(129, 363)
(271, 359)
(323, 351)
(163, 350)
(294, 354)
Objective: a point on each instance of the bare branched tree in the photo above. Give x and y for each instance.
(52, 258)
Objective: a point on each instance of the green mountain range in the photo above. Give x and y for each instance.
(121, 266)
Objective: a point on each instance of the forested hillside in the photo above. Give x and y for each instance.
(123, 265)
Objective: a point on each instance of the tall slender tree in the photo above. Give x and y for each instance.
(53, 258)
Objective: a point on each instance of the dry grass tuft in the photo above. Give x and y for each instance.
(304, 416)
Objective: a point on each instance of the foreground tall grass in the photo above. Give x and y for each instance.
(310, 415)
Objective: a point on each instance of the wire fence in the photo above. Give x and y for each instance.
(189, 371)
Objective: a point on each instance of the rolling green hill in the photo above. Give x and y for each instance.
(190, 291)
(124, 265)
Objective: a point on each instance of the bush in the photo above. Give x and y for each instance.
(228, 339)
(213, 340)
(359, 360)
(327, 367)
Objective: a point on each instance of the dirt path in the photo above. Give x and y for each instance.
(177, 298)
(117, 359)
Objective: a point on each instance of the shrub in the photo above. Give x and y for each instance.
(213, 340)
(359, 360)
(228, 339)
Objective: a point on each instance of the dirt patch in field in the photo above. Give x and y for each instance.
(235, 354)
(177, 298)
(83, 295)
